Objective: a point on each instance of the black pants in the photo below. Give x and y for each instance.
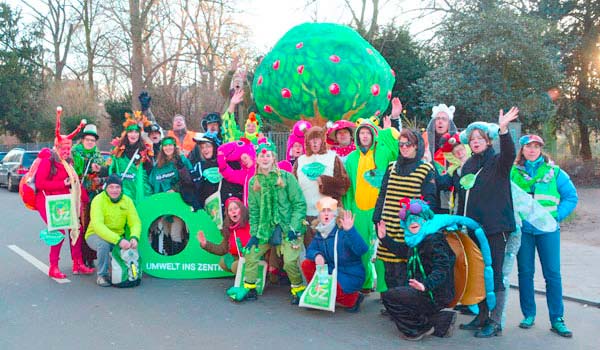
(497, 244)
(395, 274)
(414, 313)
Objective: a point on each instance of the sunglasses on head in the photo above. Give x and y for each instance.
(405, 144)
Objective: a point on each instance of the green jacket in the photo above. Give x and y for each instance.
(82, 161)
(275, 205)
(135, 182)
(108, 220)
(166, 178)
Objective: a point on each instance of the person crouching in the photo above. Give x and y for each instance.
(416, 305)
(351, 246)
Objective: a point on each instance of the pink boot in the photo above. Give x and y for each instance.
(80, 268)
(55, 272)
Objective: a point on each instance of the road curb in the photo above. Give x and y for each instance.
(565, 297)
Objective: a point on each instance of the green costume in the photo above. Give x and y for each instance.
(366, 168)
(135, 181)
(166, 178)
(82, 162)
(274, 205)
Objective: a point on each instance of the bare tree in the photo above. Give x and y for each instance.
(61, 22)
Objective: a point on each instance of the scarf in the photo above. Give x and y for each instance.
(326, 230)
(268, 217)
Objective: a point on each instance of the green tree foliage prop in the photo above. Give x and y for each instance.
(320, 72)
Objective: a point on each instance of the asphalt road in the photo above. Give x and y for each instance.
(36, 312)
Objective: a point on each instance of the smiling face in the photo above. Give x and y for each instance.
(133, 136)
(532, 151)
(326, 216)
(407, 148)
(207, 150)
(169, 150)
(64, 149)
(89, 142)
(265, 161)
(250, 128)
(113, 191)
(234, 212)
(343, 137)
(442, 123)
(477, 142)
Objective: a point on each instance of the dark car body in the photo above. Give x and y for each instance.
(14, 165)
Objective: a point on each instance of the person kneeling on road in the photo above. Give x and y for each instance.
(111, 212)
(350, 248)
(416, 306)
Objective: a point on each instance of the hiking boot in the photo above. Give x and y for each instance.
(527, 322)
(559, 327)
(491, 329)
(356, 307)
(103, 281)
(474, 325)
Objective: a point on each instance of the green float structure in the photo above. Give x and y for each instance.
(320, 72)
(192, 262)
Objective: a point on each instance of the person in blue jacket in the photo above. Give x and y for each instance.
(552, 188)
(350, 248)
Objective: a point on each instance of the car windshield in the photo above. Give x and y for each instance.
(28, 158)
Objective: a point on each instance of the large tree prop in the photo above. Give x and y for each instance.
(320, 72)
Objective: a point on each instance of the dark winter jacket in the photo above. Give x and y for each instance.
(490, 199)
(203, 187)
(351, 246)
(438, 263)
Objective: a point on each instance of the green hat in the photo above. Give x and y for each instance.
(169, 141)
(264, 145)
(90, 129)
(133, 127)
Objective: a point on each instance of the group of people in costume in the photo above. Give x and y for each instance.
(385, 200)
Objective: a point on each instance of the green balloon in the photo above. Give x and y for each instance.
(320, 72)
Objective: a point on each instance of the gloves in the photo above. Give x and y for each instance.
(276, 236)
(253, 242)
(179, 163)
(292, 236)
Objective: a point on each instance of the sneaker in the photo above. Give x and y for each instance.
(527, 322)
(418, 336)
(559, 327)
(102, 281)
(356, 307)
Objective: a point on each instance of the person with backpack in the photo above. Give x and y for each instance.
(112, 211)
(56, 176)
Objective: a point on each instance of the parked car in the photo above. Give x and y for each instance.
(2, 154)
(15, 164)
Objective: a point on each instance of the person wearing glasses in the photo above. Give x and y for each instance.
(485, 196)
(411, 177)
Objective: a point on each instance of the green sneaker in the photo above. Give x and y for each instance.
(559, 327)
(527, 322)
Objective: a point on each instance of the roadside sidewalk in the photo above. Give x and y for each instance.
(580, 277)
